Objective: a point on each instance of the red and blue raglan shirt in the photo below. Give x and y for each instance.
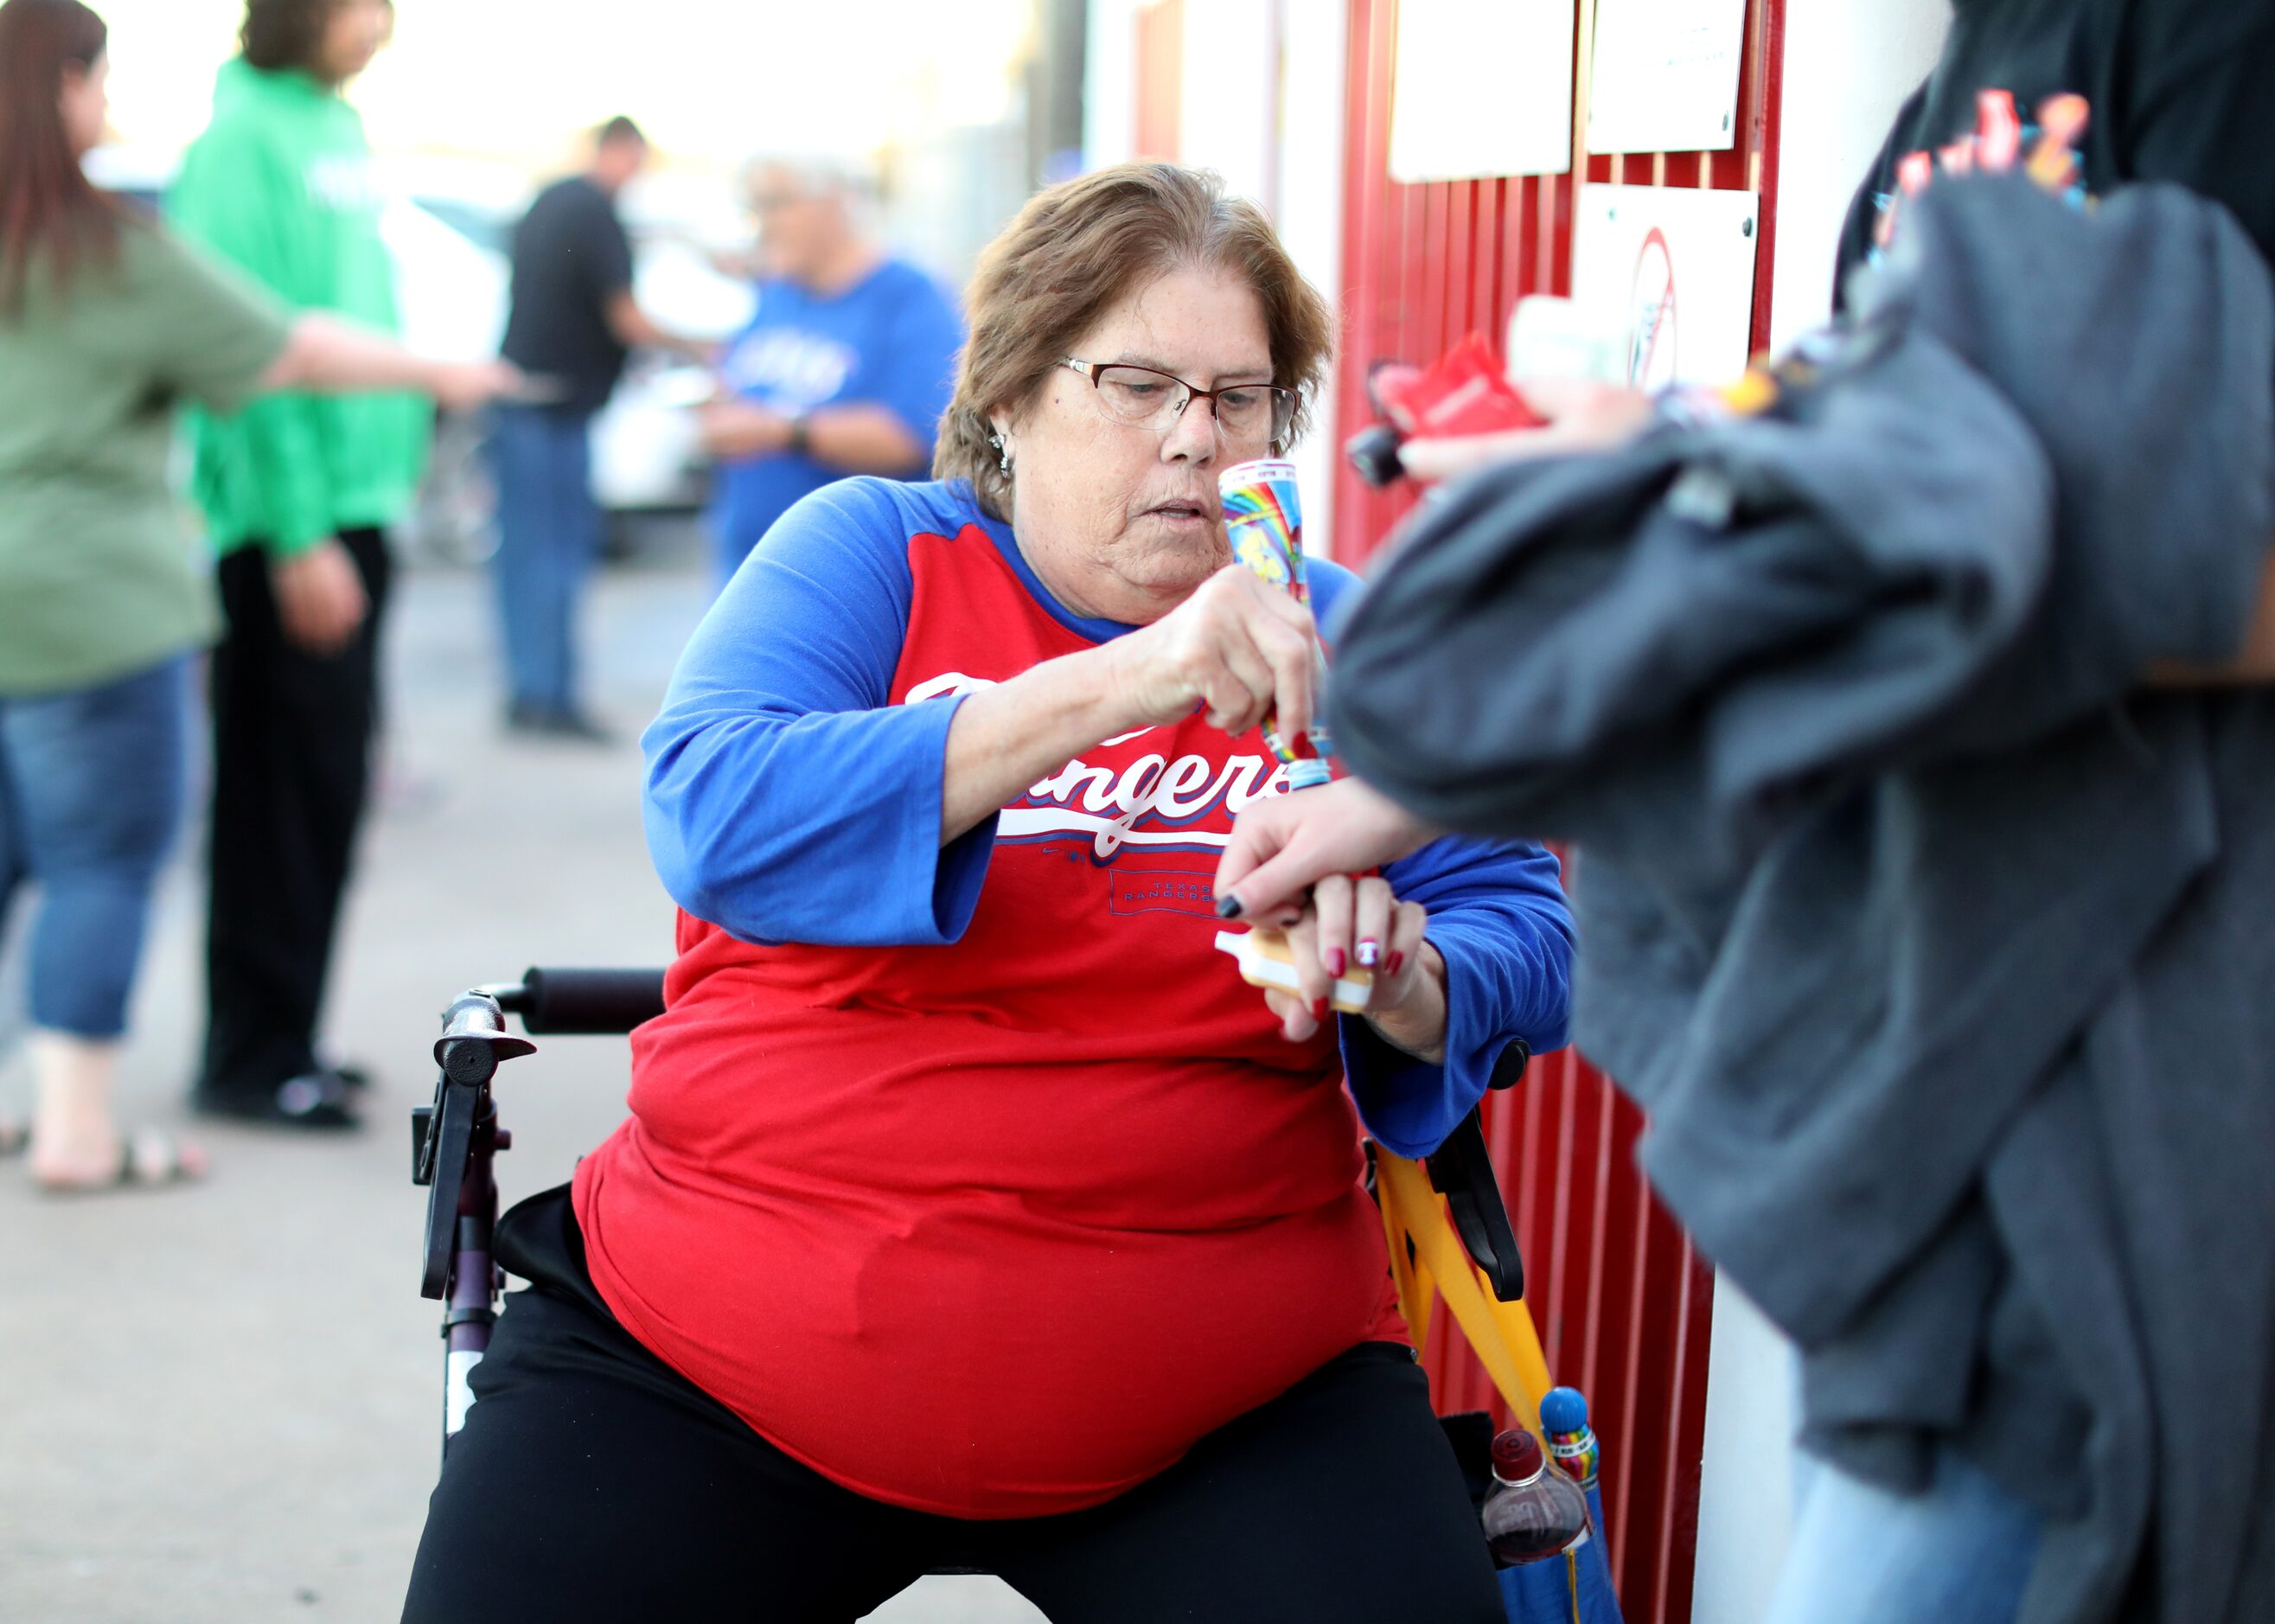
(974, 1177)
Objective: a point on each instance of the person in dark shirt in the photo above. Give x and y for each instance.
(572, 323)
(2176, 91)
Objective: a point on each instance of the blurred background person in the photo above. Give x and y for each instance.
(297, 493)
(573, 320)
(105, 322)
(844, 368)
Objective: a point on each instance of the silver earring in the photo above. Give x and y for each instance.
(1003, 455)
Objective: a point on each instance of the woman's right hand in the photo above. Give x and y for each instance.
(737, 431)
(319, 597)
(468, 386)
(1238, 648)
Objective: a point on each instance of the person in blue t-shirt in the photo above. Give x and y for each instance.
(845, 367)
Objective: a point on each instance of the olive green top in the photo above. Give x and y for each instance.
(100, 572)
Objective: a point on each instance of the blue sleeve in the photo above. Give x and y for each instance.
(1498, 917)
(785, 800)
(915, 376)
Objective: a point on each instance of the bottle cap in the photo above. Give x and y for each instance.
(1516, 1456)
(1563, 1409)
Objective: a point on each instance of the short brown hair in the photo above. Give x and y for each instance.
(1078, 247)
(284, 34)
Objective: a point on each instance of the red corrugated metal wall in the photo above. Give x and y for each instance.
(1622, 1301)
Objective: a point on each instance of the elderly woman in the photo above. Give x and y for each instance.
(971, 1211)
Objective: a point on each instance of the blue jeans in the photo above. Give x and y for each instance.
(1959, 1552)
(549, 537)
(91, 793)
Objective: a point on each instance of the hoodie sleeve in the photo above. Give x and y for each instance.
(1498, 919)
(220, 334)
(233, 200)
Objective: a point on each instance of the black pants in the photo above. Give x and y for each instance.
(292, 735)
(592, 1483)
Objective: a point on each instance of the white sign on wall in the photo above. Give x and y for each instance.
(1482, 89)
(1671, 271)
(1665, 75)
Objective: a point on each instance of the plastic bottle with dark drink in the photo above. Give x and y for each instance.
(1534, 1511)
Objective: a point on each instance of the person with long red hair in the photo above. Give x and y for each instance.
(106, 324)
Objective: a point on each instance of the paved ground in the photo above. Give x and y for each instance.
(221, 1403)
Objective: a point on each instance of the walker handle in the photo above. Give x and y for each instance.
(585, 1002)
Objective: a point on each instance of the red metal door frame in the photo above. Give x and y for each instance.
(1161, 45)
(1623, 1302)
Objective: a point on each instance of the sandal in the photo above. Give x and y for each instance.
(147, 1159)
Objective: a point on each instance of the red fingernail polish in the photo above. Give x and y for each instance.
(1370, 953)
(1335, 963)
(1397, 963)
(1319, 1008)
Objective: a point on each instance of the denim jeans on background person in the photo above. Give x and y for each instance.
(92, 787)
(1958, 1552)
(549, 537)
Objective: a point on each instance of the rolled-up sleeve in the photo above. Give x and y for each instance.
(1498, 917)
(221, 332)
(786, 799)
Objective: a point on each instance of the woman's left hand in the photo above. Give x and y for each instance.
(1357, 922)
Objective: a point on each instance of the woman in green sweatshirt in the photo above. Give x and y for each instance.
(297, 493)
(106, 321)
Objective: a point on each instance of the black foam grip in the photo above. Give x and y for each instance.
(568, 1003)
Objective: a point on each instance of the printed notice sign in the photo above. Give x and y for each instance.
(1669, 273)
(1665, 75)
(1482, 89)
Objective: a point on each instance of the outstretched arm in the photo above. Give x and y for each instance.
(1282, 846)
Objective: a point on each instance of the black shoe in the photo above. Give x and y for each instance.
(350, 1074)
(550, 721)
(579, 728)
(321, 1101)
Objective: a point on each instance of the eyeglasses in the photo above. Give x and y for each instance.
(1246, 414)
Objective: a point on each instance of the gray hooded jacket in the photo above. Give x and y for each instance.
(1939, 951)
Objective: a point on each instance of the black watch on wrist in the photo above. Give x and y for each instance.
(800, 441)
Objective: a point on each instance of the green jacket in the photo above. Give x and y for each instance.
(282, 184)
